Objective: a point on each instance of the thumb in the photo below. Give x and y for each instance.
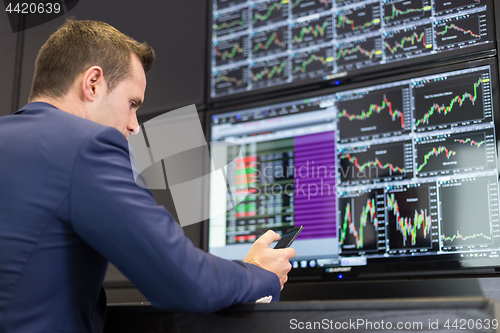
(269, 237)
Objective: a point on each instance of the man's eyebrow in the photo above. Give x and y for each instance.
(138, 102)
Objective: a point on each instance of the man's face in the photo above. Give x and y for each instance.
(118, 107)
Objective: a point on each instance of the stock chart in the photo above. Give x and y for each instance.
(458, 30)
(427, 145)
(311, 32)
(357, 20)
(360, 219)
(409, 41)
(270, 41)
(312, 63)
(451, 100)
(364, 164)
(358, 53)
(367, 113)
(459, 152)
(409, 217)
(466, 200)
(402, 11)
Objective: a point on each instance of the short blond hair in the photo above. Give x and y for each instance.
(79, 45)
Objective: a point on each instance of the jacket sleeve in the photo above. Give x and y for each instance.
(124, 224)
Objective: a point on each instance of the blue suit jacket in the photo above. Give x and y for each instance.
(68, 204)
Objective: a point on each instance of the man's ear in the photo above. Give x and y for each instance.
(93, 83)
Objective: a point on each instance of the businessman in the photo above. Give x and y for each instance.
(69, 203)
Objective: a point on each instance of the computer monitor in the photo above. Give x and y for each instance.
(392, 177)
(263, 46)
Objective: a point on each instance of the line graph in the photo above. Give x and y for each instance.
(358, 20)
(367, 113)
(436, 151)
(312, 63)
(457, 30)
(269, 12)
(269, 42)
(269, 72)
(377, 109)
(311, 32)
(230, 22)
(359, 52)
(459, 152)
(363, 164)
(459, 236)
(230, 50)
(221, 4)
(405, 11)
(407, 42)
(465, 213)
(302, 8)
(225, 55)
(461, 101)
(361, 167)
(472, 142)
(447, 7)
(359, 221)
(409, 218)
(233, 79)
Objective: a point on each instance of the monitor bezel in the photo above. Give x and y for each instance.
(380, 70)
(395, 267)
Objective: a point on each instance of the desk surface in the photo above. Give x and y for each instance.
(419, 314)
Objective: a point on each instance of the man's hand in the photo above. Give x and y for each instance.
(274, 260)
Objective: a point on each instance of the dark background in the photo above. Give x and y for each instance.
(177, 30)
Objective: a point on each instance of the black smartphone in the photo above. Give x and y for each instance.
(288, 237)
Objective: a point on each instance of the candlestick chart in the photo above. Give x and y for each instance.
(307, 7)
(452, 152)
(357, 20)
(409, 217)
(358, 53)
(269, 72)
(397, 12)
(381, 162)
(230, 50)
(447, 7)
(268, 12)
(222, 4)
(360, 218)
(457, 30)
(232, 79)
(408, 42)
(269, 41)
(231, 21)
(366, 113)
(450, 100)
(312, 63)
(312, 32)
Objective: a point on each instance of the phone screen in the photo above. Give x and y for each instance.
(288, 237)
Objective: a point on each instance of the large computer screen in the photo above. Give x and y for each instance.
(387, 178)
(266, 44)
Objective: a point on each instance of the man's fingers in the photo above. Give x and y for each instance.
(288, 252)
(269, 237)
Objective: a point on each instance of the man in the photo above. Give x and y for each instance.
(69, 203)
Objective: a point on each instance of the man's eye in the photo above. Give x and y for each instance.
(132, 104)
